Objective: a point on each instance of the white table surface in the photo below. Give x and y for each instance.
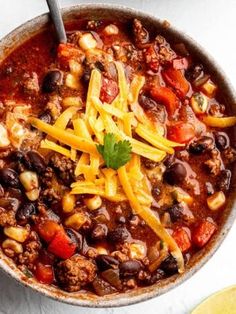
(212, 23)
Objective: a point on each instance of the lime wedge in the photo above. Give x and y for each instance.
(222, 302)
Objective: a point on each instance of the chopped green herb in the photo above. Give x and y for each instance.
(115, 154)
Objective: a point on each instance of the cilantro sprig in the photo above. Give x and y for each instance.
(115, 154)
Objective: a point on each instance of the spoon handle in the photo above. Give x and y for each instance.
(55, 13)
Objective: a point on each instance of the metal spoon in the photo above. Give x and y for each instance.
(55, 13)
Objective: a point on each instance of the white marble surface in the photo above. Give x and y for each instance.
(212, 23)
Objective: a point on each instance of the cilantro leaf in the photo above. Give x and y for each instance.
(115, 154)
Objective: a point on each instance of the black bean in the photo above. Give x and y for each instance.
(169, 160)
(9, 177)
(26, 211)
(118, 235)
(223, 183)
(222, 140)
(169, 265)
(153, 278)
(37, 161)
(202, 145)
(130, 268)
(17, 155)
(86, 75)
(194, 72)
(75, 238)
(176, 212)
(99, 65)
(52, 81)
(45, 117)
(99, 232)
(105, 262)
(175, 174)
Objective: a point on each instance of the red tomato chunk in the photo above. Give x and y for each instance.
(61, 245)
(203, 232)
(44, 273)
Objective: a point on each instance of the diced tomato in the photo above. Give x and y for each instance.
(44, 273)
(109, 90)
(203, 232)
(181, 237)
(61, 245)
(47, 229)
(66, 52)
(152, 59)
(176, 79)
(167, 97)
(181, 132)
(180, 63)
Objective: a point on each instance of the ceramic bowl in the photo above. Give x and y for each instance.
(112, 12)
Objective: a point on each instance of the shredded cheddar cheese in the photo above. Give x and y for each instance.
(124, 118)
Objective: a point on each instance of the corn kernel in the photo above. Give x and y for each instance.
(111, 29)
(93, 203)
(13, 245)
(209, 88)
(75, 221)
(4, 140)
(180, 195)
(101, 250)
(29, 180)
(33, 195)
(72, 101)
(72, 81)
(137, 250)
(19, 234)
(87, 42)
(216, 201)
(199, 103)
(68, 203)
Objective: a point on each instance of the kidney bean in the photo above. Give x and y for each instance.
(37, 161)
(175, 174)
(26, 211)
(200, 146)
(150, 279)
(51, 81)
(169, 265)
(99, 232)
(105, 262)
(222, 140)
(118, 235)
(130, 268)
(75, 238)
(9, 177)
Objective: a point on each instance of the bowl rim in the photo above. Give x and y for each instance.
(204, 255)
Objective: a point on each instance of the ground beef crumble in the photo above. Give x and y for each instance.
(7, 217)
(75, 272)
